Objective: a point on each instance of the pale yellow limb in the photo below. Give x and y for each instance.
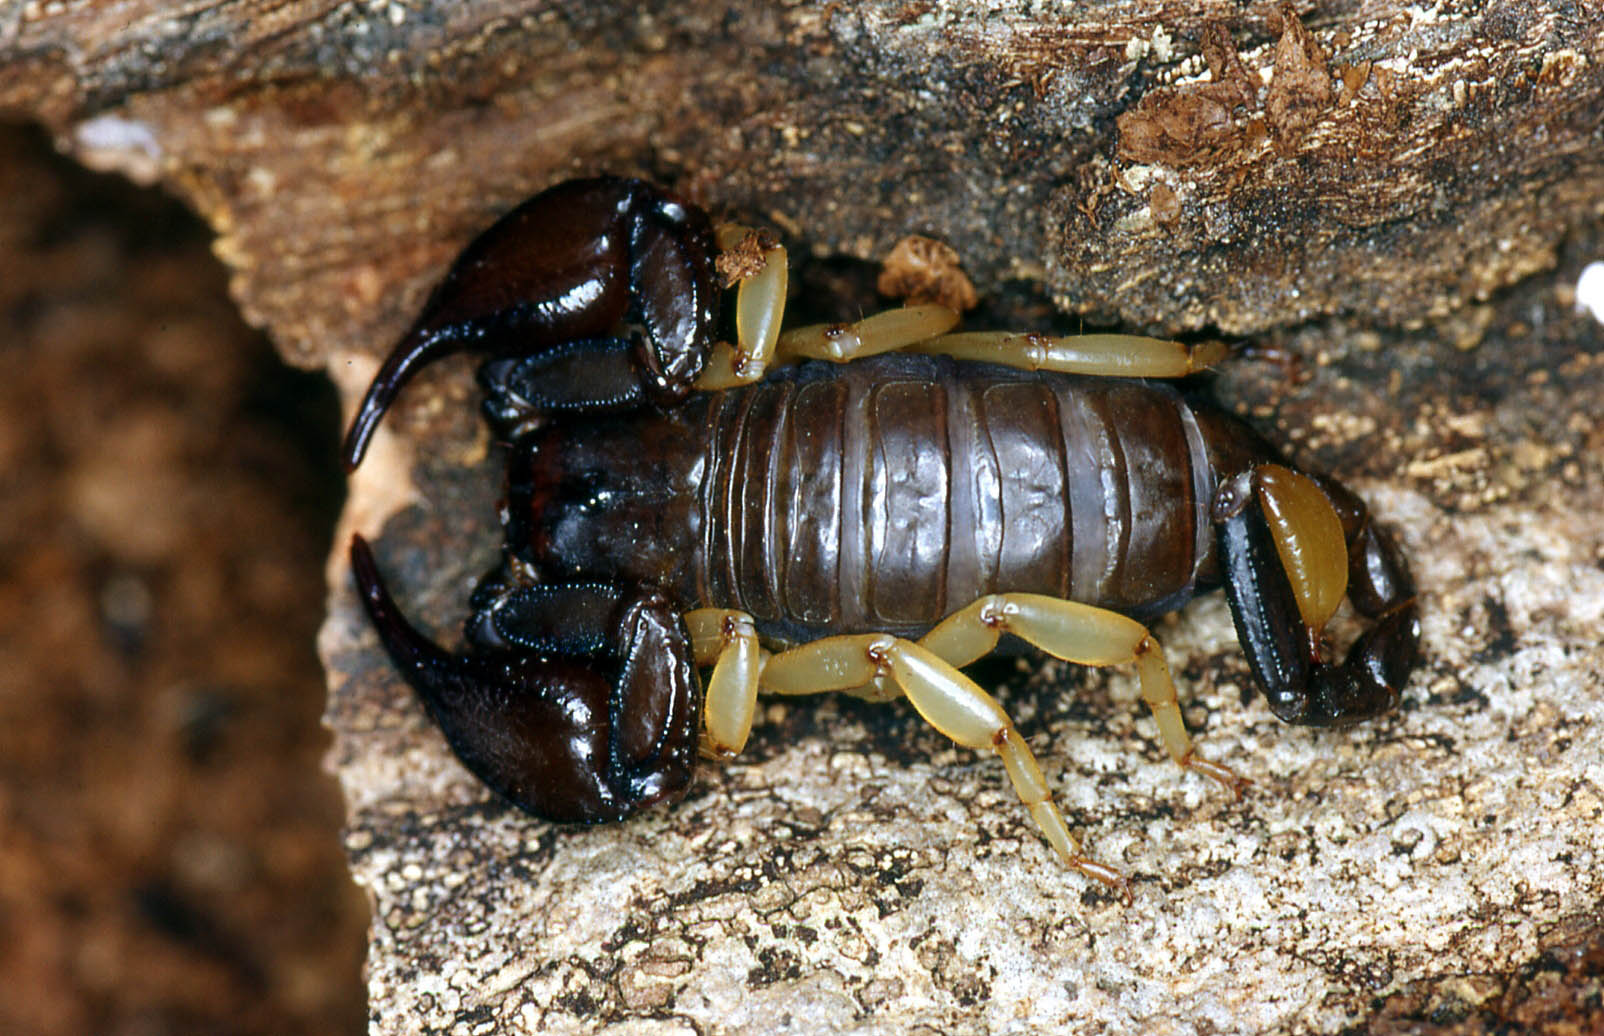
(1085, 635)
(728, 641)
(949, 701)
(888, 331)
(884, 332)
(830, 664)
(1123, 356)
(759, 344)
(926, 673)
(759, 307)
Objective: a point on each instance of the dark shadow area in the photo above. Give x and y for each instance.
(170, 856)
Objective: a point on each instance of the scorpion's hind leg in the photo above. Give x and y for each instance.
(578, 702)
(1291, 548)
(1085, 635)
(607, 282)
(949, 701)
(1105, 355)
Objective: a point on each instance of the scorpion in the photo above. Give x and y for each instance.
(789, 522)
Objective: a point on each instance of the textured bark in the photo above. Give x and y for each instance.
(1352, 184)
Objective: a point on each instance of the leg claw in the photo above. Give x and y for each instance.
(1219, 772)
(1100, 872)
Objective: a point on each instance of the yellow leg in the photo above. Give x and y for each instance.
(884, 332)
(880, 666)
(1085, 635)
(949, 701)
(726, 640)
(1122, 356)
(759, 307)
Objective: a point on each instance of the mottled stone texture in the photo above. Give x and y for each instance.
(1395, 197)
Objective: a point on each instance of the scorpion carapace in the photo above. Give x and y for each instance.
(677, 504)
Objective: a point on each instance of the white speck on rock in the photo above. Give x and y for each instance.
(1590, 291)
(111, 143)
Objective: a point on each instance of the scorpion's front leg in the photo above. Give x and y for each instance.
(596, 293)
(579, 704)
(1291, 548)
(919, 328)
(759, 269)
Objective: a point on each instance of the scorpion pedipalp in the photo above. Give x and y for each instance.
(611, 277)
(571, 736)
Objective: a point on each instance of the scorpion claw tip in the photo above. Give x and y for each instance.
(355, 445)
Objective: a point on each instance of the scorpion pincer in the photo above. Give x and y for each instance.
(677, 503)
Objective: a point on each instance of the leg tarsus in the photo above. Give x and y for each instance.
(1105, 875)
(1227, 777)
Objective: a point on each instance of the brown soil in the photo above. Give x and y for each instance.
(169, 844)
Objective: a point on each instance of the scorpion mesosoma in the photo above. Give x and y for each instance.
(675, 503)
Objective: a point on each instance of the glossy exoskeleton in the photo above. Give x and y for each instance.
(674, 503)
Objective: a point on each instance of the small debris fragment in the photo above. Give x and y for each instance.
(922, 270)
(1182, 125)
(744, 258)
(1301, 88)
(1163, 203)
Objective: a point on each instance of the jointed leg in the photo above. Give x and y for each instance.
(1121, 356)
(887, 331)
(760, 305)
(760, 268)
(727, 641)
(949, 701)
(880, 666)
(1085, 635)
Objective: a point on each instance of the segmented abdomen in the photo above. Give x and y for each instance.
(885, 494)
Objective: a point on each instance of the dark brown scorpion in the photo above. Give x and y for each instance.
(675, 503)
